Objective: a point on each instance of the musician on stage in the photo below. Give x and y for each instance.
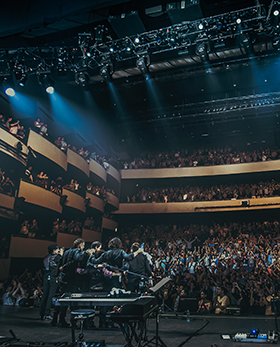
(114, 257)
(96, 274)
(68, 276)
(138, 265)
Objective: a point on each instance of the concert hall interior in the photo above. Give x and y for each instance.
(139, 172)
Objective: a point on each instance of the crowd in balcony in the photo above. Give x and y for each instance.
(237, 261)
(91, 224)
(74, 227)
(42, 180)
(29, 229)
(199, 193)
(200, 157)
(13, 127)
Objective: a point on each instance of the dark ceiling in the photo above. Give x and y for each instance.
(231, 97)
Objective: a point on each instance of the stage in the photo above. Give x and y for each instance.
(173, 330)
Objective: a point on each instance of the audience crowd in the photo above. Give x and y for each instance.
(227, 268)
(217, 192)
(22, 290)
(236, 264)
(200, 157)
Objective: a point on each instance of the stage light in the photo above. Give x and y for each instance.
(82, 79)
(106, 73)
(276, 12)
(10, 91)
(246, 43)
(201, 51)
(238, 21)
(47, 83)
(200, 26)
(137, 40)
(22, 81)
(8, 86)
(111, 49)
(142, 63)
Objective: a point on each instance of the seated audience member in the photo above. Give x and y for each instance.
(42, 180)
(204, 305)
(28, 174)
(57, 142)
(33, 229)
(21, 133)
(44, 130)
(89, 187)
(14, 128)
(221, 301)
(63, 226)
(63, 145)
(77, 186)
(38, 124)
(8, 123)
(24, 230)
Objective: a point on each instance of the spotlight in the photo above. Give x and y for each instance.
(143, 63)
(276, 12)
(238, 21)
(82, 79)
(202, 51)
(8, 86)
(22, 81)
(106, 73)
(137, 40)
(246, 43)
(200, 26)
(47, 83)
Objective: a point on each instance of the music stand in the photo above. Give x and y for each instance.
(156, 339)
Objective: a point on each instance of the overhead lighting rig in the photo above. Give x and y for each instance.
(97, 51)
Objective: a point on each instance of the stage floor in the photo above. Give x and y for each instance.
(172, 330)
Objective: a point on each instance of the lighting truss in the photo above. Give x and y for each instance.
(93, 52)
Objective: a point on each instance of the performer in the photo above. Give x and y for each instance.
(139, 265)
(51, 265)
(96, 272)
(114, 257)
(68, 276)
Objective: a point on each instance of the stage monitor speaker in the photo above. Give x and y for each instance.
(63, 199)
(184, 11)
(186, 304)
(245, 203)
(127, 25)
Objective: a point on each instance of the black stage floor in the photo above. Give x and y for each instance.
(172, 330)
